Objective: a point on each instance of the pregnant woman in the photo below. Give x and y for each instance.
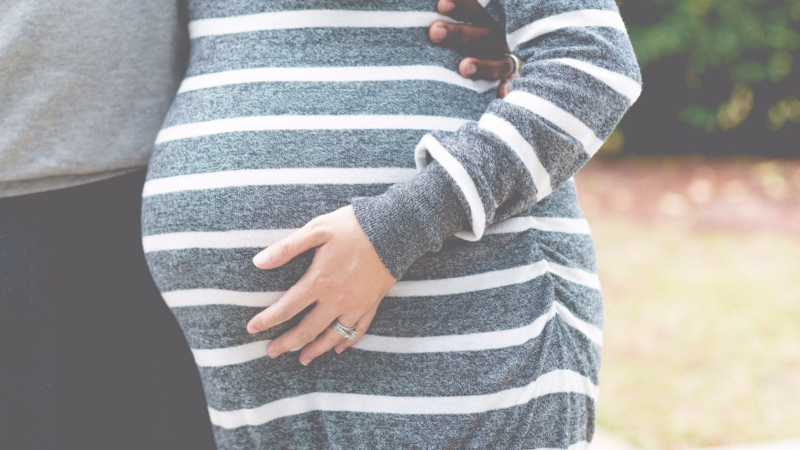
(325, 168)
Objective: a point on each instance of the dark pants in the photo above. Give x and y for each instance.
(90, 356)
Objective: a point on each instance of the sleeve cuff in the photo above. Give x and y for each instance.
(412, 218)
(429, 145)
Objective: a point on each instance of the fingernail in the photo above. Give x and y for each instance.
(272, 353)
(305, 361)
(252, 329)
(438, 33)
(261, 259)
(338, 350)
(471, 69)
(508, 87)
(446, 7)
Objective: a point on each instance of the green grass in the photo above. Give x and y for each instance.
(701, 335)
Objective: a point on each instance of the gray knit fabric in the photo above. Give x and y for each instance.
(491, 339)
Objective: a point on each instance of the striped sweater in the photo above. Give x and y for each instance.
(580, 77)
(491, 339)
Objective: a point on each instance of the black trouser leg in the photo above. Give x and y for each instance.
(90, 357)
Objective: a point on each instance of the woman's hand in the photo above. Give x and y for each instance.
(346, 279)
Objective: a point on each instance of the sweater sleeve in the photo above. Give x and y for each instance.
(580, 77)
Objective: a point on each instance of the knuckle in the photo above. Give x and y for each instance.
(338, 302)
(304, 336)
(258, 323)
(456, 32)
(285, 249)
(312, 225)
(315, 224)
(282, 315)
(323, 282)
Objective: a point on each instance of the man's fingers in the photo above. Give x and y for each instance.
(486, 69)
(473, 40)
(504, 88)
(287, 248)
(297, 298)
(469, 11)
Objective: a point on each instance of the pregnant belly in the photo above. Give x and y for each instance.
(238, 166)
(275, 155)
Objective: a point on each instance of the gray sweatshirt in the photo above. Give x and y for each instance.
(84, 87)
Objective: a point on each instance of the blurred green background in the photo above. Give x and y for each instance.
(720, 77)
(694, 204)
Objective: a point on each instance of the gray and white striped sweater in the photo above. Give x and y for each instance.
(580, 77)
(291, 109)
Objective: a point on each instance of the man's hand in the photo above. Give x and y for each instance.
(346, 281)
(481, 37)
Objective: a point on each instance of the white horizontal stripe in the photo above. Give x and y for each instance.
(624, 85)
(469, 283)
(582, 445)
(270, 177)
(206, 297)
(284, 20)
(265, 238)
(429, 144)
(560, 118)
(415, 288)
(220, 357)
(213, 239)
(470, 342)
(478, 341)
(557, 381)
(509, 134)
(582, 18)
(594, 333)
(457, 343)
(334, 74)
(300, 122)
(577, 276)
(554, 224)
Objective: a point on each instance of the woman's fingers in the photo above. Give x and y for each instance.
(297, 298)
(284, 250)
(309, 327)
(361, 328)
(328, 339)
(481, 42)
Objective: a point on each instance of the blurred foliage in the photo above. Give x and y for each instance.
(747, 46)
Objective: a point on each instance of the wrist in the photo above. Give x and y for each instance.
(411, 219)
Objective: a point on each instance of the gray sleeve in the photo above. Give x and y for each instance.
(580, 77)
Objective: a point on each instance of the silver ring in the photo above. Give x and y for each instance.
(348, 332)
(517, 64)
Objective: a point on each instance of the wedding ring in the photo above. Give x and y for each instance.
(348, 332)
(517, 64)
